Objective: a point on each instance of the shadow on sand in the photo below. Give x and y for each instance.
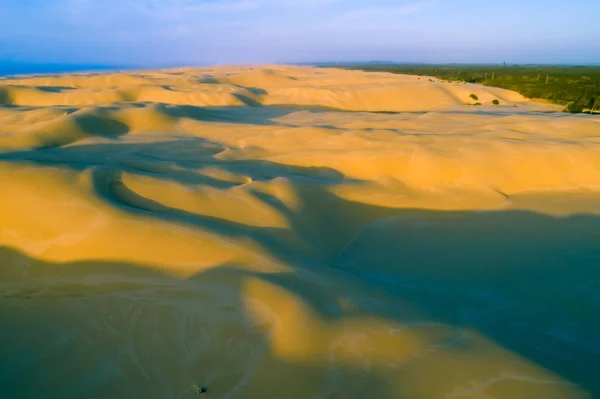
(527, 282)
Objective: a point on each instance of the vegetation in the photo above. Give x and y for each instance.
(474, 97)
(495, 102)
(575, 107)
(575, 87)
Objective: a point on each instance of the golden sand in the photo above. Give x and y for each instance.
(285, 232)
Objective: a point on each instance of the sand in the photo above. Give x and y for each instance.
(287, 232)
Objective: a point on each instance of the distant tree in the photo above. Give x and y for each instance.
(595, 105)
(575, 107)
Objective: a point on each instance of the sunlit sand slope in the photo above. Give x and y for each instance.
(283, 232)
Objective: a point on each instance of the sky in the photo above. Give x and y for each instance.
(201, 32)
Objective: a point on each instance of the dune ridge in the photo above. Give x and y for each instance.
(296, 232)
(343, 90)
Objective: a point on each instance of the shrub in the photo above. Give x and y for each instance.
(575, 107)
(476, 104)
(495, 102)
(474, 97)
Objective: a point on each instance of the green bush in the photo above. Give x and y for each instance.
(594, 103)
(495, 102)
(476, 104)
(575, 107)
(474, 97)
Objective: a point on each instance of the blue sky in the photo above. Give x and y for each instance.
(178, 32)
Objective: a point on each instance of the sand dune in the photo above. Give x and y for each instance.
(342, 90)
(286, 232)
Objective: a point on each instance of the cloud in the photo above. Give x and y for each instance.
(184, 7)
(208, 29)
(374, 13)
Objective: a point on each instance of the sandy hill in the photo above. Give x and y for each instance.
(287, 232)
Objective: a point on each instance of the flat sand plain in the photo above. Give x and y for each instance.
(287, 232)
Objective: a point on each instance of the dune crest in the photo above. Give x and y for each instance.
(294, 232)
(342, 90)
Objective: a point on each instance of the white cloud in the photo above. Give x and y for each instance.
(106, 10)
(196, 22)
(391, 11)
(187, 6)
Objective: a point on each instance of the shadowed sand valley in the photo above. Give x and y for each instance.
(287, 232)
